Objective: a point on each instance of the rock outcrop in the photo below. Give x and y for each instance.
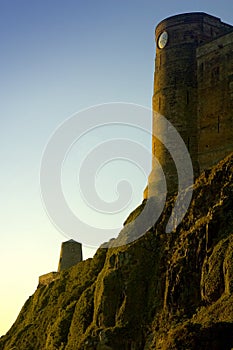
(163, 291)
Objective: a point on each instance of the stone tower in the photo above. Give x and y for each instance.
(184, 67)
(71, 254)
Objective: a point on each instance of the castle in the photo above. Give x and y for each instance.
(193, 89)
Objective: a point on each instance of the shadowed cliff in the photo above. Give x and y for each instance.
(163, 291)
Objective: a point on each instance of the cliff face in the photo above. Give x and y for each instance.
(163, 291)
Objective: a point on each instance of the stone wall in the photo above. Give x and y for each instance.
(46, 279)
(215, 100)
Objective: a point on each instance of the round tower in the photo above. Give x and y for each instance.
(175, 86)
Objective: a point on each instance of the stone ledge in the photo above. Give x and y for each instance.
(46, 279)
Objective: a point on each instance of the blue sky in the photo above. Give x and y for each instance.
(58, 58)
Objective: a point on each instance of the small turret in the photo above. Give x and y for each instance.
(71, 254)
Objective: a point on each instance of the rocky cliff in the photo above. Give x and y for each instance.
(163, 291)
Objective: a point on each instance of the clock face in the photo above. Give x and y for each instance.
(163, 39)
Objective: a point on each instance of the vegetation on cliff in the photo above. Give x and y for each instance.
(163, 291)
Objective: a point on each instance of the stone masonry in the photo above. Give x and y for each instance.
(71, 254)
(48, 278)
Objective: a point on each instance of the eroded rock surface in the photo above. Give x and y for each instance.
(163, 291)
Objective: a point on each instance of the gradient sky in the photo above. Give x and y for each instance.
(58, 57)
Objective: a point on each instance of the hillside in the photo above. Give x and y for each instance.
(163, 291)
